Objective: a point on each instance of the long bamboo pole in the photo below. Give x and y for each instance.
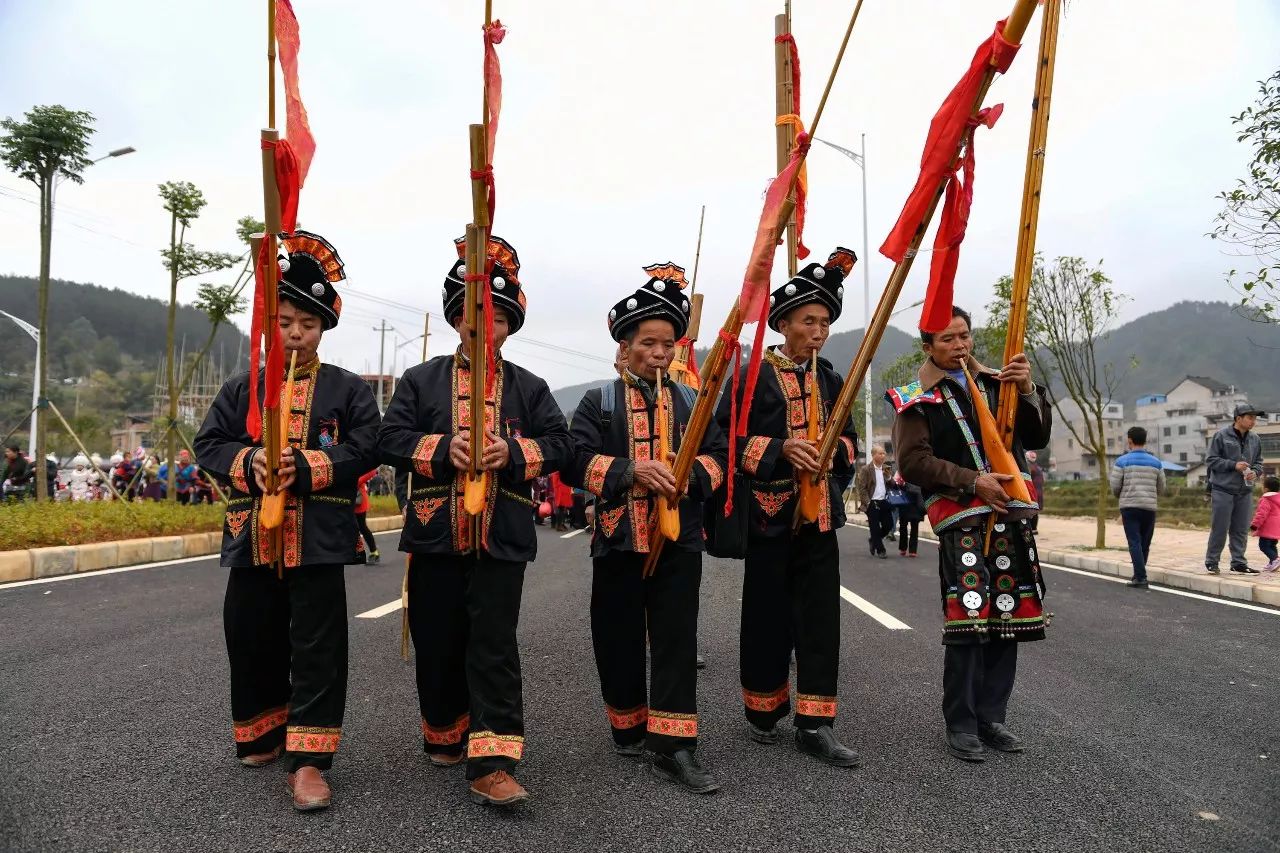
(717, 364)
(408, 507)
(1038, 138)
(785, 134)
(843, 406)
(684, 352)
(87, 455)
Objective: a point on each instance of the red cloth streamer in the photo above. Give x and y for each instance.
(755, 284)
(485, 280)
(802, 185)
(289, 42)
(735, 348)
(288, 182)
(949, 129)
(494, 33)
(275, 352)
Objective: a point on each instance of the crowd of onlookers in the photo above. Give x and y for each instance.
(140, 475)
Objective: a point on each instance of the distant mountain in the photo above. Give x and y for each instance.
(840, 350)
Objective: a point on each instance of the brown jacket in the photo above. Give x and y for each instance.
(864, 483)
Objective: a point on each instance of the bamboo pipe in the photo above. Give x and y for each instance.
(271, 64)
(810, 495)
(785, 133)
(668, 513)
(476, 480)
(271, 515)
(1013, 32)
(1038, 137)
(697, 255)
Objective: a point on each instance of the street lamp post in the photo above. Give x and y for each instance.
(861, 161)
(35, 385)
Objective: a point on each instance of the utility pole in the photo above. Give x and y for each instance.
(382, 344)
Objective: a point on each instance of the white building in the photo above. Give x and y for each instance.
(1180, 423)
(1069, 460)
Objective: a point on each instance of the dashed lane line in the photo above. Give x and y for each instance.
(573, 533)
(380, 611)
(885, 619)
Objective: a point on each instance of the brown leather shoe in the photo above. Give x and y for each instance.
(497, 789)
(262, 759)
(310, 791)
(440, 759)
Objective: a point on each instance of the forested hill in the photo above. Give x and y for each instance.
(92, 327)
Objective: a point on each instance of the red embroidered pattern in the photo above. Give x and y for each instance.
(446, 735)
(256, 727)
(815, 706)
(424, 453)
(426, 508)
(628, 719)
(235, 522)
(795, 397)
(240, 472)
(673, 725)
(640, 438)
(849, 448)
(713, 469)
(771, 504)
(487, 744)
(609, 520)
(754, 451)
(766, 701)
(597, 470)
(321, 469)
(533, 458)
(312, 739)
(292, 532)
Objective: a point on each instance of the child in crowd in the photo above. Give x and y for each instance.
(1266, 522)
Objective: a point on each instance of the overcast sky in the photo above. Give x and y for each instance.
(620, 120)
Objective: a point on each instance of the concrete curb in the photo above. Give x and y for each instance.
(34, 563)
(1204, 583)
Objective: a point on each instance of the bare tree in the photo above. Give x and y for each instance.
(1250, 217)
(1072, 309)
(52, 144)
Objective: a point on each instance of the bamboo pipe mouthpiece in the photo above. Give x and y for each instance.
(1019, 19)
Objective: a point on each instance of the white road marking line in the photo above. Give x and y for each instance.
(1157, 588)
(379, 612)
(121, 569)
(874, 612)
(573, 533)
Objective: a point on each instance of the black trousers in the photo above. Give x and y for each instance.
(287, 645)
(977, 681)
(908, 535)
(623, 606)
(880, 520)
(791, 600)
(463, 613)
(362, 524)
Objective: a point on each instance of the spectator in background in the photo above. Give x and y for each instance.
(1137, 479)
(1266, 522)
(872, 484)
(909, 515)
(1234, 464)
(51, 474)
(1037, 485)
(17, 473)
(562, 501)
(371, 555)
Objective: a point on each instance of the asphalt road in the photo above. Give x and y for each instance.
(1141, 712)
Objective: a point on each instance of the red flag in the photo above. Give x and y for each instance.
(755, 284)
(293, 158)
(951, 126)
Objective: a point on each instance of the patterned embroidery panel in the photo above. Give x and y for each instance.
(815, 706)
(753, 453)
(321, 466)
(424, 453)
(446, 735)
(608, 520)
(254, 728)
(771, 504)
(240, 472)
(597, 470)
(766, 701)
(628, 719)
(426, 509)
(488, 744)
(533, 458)
(236, 521)
(673, 725)
(312, 739)
(850, 450)
(464, 525)
(292, 532)
(641, 440)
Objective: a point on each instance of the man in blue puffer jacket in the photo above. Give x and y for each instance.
(1137, 479)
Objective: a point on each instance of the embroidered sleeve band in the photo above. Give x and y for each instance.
(756, 447)
(240, 472)
(713, 469)
(321, 469)
(424, 453)
(597, 470)
(533, 458)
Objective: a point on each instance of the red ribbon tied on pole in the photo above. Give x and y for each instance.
(951, 127)
(494, 33)
(755, 284)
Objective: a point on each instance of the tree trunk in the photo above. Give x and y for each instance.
(42, 346)
(1104, 490)
(171, 449)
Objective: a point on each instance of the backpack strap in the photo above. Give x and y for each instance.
(608, 394)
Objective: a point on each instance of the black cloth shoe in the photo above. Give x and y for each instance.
(966, 747)
(700, 662)
(822, 745)
(760, 735)
(630, 750)
(883, 555)
(1213, 570)
(1244, 570)
(682, 767)
(1137, 584)
(998, 736)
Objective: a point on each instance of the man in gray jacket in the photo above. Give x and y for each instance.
(1137, 479)
(1234, 463)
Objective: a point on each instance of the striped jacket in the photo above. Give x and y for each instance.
(1137, 479)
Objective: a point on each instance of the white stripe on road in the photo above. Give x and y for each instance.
(379, 612)
(874, 612)
(573, 533)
